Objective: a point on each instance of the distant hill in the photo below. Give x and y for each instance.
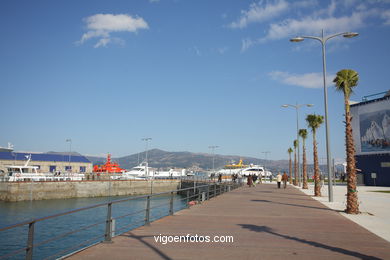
(162, 159)
(65, 153)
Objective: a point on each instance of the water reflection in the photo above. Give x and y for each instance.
(14, 212)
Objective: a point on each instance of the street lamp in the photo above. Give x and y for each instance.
(70, 150)
(297, 106)
(213, 147)
(323, 41)
(147, 140)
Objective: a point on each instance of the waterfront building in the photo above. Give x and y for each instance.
(47, 162)
(371, 132)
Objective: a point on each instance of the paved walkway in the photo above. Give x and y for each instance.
(265, 222)
(373, 205)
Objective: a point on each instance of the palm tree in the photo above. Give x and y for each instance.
(303, 134)
(344, 81)
(314, 122)
(295, 163)
(290, 150)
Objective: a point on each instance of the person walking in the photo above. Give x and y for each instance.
(250, 181)
(254, 178)
(284, 179)
(279, 179)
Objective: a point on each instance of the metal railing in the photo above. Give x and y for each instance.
(197, 193)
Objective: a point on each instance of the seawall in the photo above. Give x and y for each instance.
(19, 191)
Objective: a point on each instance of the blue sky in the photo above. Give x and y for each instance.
(188, 74)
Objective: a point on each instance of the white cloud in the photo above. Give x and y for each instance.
(309, 80)
(196, 50)
(327, 18)
(154, 1)
(222, 50)
(313, 25)
(259, 12)
(246, 44)
(386, 16)
(103, 25)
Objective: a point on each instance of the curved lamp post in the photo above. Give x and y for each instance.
(297, 106)
(323, 41)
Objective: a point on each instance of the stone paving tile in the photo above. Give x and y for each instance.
(265, 222)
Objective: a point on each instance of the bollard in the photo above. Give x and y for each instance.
(171, 205)
(107, 235)
(30, 241)
(147, 212)
(113, 227)
(203, 196)
(188, 199)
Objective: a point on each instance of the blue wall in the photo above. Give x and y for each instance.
(43, 157)
(372, 163)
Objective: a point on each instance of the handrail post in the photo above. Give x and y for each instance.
(188, 199)
(171, 205)
(30, 241)
(215, 190)
(147, 211)
(108, 234)
(208, 192)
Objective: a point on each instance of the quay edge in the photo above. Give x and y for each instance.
(22, 191)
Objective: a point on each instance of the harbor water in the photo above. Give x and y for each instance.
(45, 231)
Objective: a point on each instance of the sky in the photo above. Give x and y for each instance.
(188, 74)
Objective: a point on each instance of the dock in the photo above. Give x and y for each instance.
(265, 223)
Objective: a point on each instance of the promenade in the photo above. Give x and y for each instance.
(265, 222)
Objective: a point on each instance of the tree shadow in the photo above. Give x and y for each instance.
(279, 192)
(289, 196)
(297, 205)
(269, 230)
(141, 239)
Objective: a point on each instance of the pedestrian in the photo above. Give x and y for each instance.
(254, 180)
(342, 177)
(322, 180)
(284, 179)
(239, 176)
(220, 177)
(279, 179)
(250, 181)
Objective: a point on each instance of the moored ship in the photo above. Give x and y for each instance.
(108, 167)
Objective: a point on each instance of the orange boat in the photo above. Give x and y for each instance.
(108, 167)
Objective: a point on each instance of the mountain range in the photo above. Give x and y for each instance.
(192, 161)
(197, 161)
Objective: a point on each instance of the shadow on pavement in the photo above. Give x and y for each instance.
(269, 230)
(140, 238)
(297, 205)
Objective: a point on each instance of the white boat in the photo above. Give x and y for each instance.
(245, 170)
(31, 173)
(143, 171)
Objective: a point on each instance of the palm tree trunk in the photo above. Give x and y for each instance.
(304, 167)
(352, 198)
(290, 170)
(295, 168)
(317, 187)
